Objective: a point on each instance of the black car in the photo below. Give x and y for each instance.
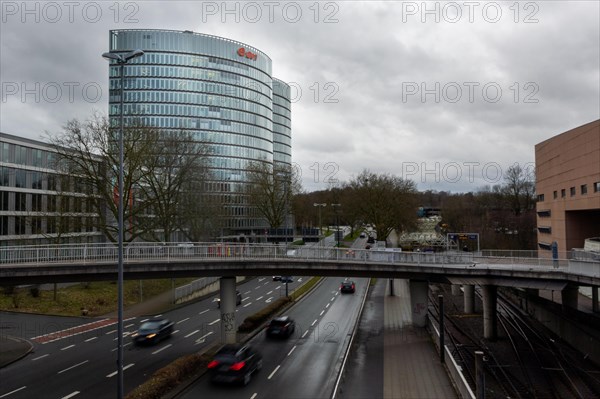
(281, 327)
(153, 331)
(238, 299)
(234, 364)
(347, 287)
(276, 278)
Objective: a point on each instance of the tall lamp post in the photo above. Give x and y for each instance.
(320, 206)
(337, 222)
(121, 60)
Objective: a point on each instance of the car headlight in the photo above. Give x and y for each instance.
(150, 336)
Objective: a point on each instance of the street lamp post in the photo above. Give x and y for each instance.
(121, 61)
(337, 223)
(320, 206)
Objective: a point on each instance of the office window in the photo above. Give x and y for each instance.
(36, 156)
(572, 190)
(3, 200)
(4, 225)
(36, 225)
(597, 187)
(555, 194)
(583, 189)
(20, 155)
(36, 202)
(20, 178)
(20, 225)
(563, 193)
(540, 198)
(5, 152)
(51, 203)
(4, 173)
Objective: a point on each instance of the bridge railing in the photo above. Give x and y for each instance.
(141, 251)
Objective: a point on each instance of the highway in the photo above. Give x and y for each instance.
(84, 364)
(307, 364)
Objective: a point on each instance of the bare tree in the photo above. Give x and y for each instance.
(153, 173)
(519, 188)
(387, 202)
(271, 190)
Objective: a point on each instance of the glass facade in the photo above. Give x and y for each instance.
(30, 188)
(221, 91)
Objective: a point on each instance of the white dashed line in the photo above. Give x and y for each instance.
(322, 311)
(314, 322)
(290, 352)
(181, 321)
(67, 347)
(40, 357)
(11, 392)
(71, 395)
(248, 304)
(277, 287)
(332, 298)
(141, 321)
(261, 279)
(273, 373)
(257, 287)
(204, 311)
(72, 367)
(259, 298)
(130, 325)
(254, 395)
(112, 350)
(115, 373)
(245, 299)
(192, 333)
(269, 293)
(326, 306)
(214, 322)
(304, 335)
(247, 292)
(162, 349)
(90, 339)
(110, 332)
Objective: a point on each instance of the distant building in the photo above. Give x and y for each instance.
(568, 189)
(38, 205)
(220, 90)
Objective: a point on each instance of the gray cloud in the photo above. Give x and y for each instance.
(378, 80)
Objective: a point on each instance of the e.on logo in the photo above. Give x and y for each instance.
(248, 54)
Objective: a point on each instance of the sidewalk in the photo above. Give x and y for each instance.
(412, 367)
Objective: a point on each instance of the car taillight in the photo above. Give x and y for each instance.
(237, 366)
(352, 286)
(212, 364)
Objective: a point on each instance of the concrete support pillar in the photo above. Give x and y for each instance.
(469, 299)
(418, 298)
(490, 322)
(228, 325)
(569, 296)
(455, 289)
(595, 299)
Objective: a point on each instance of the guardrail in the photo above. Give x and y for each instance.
(136, 252)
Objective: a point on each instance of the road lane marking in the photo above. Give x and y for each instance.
(314, 322)
(181, 321)
(247, 292)
(259, 298)
(257, 287)
(192, 333)
(322, 311)
(269, 293)
(290, 352)
(245, 299)
(67, 347)
(204, 311)
(157, 316)
(326, 306)
(273, 373)
(175, 332)
(304, 335)
(90, 339)
(130, 325)
(162, 349)
(11, 392)
(213, 322)
(141, 321)
(41, 357)
(254, 395)
(72, 367)
(332, 298)
(112, 350)
(277, 287)
(110, 332)
(248, 304)
(71, 395)
(269, 299)
(115, 372)
(261, 279)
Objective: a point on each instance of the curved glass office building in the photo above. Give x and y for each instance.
(221, 90)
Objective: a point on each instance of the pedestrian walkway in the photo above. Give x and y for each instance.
(412, 367)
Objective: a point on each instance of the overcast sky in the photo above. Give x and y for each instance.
(448, 94)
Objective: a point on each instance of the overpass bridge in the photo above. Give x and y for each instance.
(93, 262)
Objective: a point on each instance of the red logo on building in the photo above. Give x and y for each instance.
(248, 54)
